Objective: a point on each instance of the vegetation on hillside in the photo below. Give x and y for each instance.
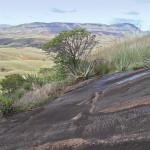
(128, 54)
(74, 61)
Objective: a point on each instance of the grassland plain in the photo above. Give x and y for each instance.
(22, 60)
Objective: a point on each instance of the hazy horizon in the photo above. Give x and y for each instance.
(15, 12)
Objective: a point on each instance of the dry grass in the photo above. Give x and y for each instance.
(22, 60)
(127, 53)
(40, 95)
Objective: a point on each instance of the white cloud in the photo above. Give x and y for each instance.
(132, 13)
(56, 10)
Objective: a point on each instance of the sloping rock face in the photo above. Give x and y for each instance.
(108, 113)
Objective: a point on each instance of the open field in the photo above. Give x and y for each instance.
(22, 60)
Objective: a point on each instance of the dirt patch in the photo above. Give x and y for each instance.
(26, 57)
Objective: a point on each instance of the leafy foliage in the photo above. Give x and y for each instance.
(84, 70)
(11, 82)
(44, 71)
(101, 69)
(33, 79)
(6, 107)
(56, 73)
(69, 47)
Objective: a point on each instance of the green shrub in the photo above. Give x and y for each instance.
(34, 79)
(27, 86)
(101, 69)
(44, 71)
(6, 107)
(11, 82)
(84, 70)
(60, 73)
(18, 94)
(122, 60)
(56, 73)
(30, 78)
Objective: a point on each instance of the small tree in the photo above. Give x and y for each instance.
(69, 47)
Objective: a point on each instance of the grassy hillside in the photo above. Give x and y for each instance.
(126, 54)
(22, 60)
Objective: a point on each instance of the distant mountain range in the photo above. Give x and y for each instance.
(4, 26)
(27, 33)
(56, 27)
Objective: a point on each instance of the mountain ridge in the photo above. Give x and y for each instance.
(37, 33)
(56, 27)
(4, 26)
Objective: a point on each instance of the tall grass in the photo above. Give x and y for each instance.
(127, 54)
(39, 95)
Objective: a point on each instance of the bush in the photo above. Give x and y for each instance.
(56, 73)
(11, 82)
(27, 86)
(101, 67)
(34, 79)
(122, 60)
(18, 94)
(45, 71)
(84, 70)
(6, 107)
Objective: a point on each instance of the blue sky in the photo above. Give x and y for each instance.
(80, 11)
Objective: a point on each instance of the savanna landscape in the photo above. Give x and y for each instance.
(18, 60)
(74, 86)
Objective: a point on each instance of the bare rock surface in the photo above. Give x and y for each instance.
(108, 113)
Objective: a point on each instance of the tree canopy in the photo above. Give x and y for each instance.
(69, 47)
